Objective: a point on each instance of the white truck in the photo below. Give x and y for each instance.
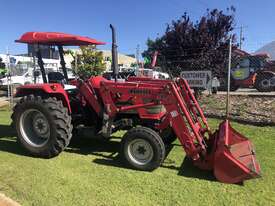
(153, 73)
(26, 77)
(20, 79)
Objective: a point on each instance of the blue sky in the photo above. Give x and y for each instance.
(135, 20)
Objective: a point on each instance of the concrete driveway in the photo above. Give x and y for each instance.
(249, 92)
(5, 201)
(4, 101)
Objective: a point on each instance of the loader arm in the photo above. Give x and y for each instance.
(187, 125)
(211, 151)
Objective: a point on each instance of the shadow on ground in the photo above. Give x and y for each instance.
(8, 141)
(107, 152)
(108, 155)
(7, 131)
(94, 146)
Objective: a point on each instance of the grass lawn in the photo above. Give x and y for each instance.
(89, 173)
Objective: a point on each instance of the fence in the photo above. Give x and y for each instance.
(251, 85)
(248, 78)
(21, 70)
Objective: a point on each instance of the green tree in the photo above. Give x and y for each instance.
(200, 45)
(153, 45)
(3, 69)
(90, 62)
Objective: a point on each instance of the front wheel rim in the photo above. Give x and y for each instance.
(34, 127)
(140, 151)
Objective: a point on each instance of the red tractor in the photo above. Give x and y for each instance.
(154, 113)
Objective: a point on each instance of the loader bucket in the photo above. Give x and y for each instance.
(234, 157)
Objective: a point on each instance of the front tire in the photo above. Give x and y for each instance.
(142, 149)
(43, 125)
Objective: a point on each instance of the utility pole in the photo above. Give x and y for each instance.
(241, 36)
(137, 54)
(228, 78)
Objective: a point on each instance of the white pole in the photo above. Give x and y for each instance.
(75, 62)
(228, 79)
(8, 72)
(9, 78)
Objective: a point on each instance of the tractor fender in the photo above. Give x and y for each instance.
(266, 72)
(48, 89)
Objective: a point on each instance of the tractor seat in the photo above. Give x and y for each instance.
(69, 87)
(56, 77)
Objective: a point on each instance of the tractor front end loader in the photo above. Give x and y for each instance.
(154, 113)
(228, 153)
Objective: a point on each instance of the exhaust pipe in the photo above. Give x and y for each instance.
(114, 53)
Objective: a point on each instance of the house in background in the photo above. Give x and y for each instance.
(124, 61)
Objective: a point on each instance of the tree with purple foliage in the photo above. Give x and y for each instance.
(202, 45)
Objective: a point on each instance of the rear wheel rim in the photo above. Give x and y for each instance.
(34, 127)
(272, 82)
(140, 151)
(265, 83)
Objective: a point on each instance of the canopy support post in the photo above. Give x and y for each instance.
(41, 64)
(62, 62)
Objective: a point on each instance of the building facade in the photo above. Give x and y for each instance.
(124, 61)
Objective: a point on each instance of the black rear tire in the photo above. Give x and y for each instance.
(32, 115)
(234, 88)
(142, 149)
(262, 81)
